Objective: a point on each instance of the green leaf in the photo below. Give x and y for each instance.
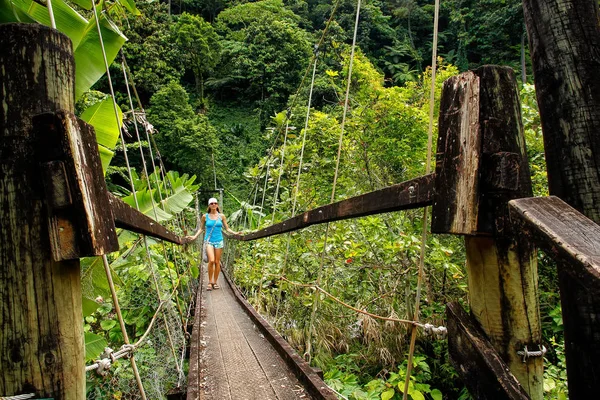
(89, 306)
(68, 21)
(102, 117)
(89, 53)
(416, 395)
(177, 202)
(85, 4)
(7, 12)
(108, 324)
(436, 394)
(147, 206)
(388, 394)
(130, 6)
(94, 346)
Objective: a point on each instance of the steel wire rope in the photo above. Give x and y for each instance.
(307, 353)
(132, 347)
(274, 209)
(428, 327)
(152, 267)
(105, 260)
(295, 96)
(161, 172)
(104, 257)
(151, 142)
(297, 186)
(128, 82)
(413, 335)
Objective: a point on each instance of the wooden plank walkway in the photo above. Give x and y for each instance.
(230, 357)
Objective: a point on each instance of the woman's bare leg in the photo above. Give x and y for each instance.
(217, 268)
(210, 252)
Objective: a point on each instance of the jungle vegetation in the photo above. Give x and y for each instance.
(217, 77)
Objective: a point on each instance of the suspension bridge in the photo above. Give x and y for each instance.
(57, 210)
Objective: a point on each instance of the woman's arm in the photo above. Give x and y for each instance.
(227, 229)
(191, 238)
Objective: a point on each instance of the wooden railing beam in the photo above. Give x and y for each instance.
(484, 372)
(411, 194)
(129, 218)
(573, 240)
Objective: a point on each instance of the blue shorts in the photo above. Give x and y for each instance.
(217, 245)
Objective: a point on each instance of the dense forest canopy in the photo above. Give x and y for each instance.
(220, 80)
(240, 62)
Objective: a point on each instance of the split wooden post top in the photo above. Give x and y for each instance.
(481, 165)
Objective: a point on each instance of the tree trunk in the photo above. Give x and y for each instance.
(41, 330)
(564, 38)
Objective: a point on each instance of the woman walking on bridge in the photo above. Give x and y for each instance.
(213, 223)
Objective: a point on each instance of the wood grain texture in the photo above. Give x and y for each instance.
(573, 240)
(564, 38)
(456, 202)
(483, 371)
(84, 227)
(41, 334)
(565, 234)
(129, 218)
(403, 196)
(482, 174)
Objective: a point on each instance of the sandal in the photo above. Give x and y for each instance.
(215, 286)
(209, 288)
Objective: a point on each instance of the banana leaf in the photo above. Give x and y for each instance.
(7, 12)
(177, 202)
(85, 4)
(148, 206)
(102, 117)
(68, 21)
(89, 53)
(130, 6)
(94, 346)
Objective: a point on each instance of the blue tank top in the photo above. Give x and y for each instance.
(213, 226)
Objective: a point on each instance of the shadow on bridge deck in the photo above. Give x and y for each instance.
(235, 354)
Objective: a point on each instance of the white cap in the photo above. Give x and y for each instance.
(212, 200)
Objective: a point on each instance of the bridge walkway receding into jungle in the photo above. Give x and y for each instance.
(234, 357)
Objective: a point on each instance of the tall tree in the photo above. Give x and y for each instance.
(186, 139)
(200, 45)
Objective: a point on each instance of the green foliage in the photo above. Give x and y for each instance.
(535, 144)
(186, 139)
(555, 374)
(392, 387)
(153, 56)
(199, 45)
(102, 117)
(264, 53)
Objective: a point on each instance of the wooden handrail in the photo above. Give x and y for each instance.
(129, 218)
(563, 233)
(411, 194)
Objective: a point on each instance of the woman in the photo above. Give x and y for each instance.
(212, 223)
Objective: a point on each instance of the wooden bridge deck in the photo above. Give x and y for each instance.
(232, 356)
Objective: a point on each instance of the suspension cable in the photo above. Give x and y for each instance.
(297, 187)
(337, 165)
(154, 209)
(295, 96)
(413, 335)
(104, 258)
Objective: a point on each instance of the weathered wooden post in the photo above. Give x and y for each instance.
(481, 165)
(46, 215)
(564, 38)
